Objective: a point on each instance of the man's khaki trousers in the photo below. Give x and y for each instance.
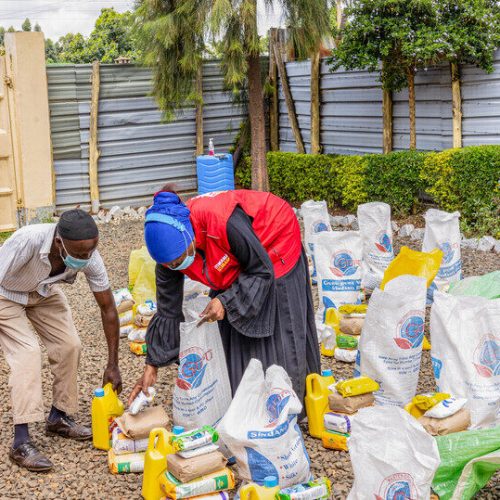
(51, 319)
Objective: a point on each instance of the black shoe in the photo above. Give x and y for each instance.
(27, 455)
(66, 427)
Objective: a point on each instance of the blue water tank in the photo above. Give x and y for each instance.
(215, 173)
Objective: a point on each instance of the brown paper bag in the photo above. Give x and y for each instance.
(350, 404)
(460, 421)
(125, 306)
(139, 426)
(142, 321)
(187, 469)
(351, 326)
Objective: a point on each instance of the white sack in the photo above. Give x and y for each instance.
(202, 391)
(392, 456)
(442, 230)
(465, 333)
(338, 265)
(390, 346)
(376, 234)
(260, 428)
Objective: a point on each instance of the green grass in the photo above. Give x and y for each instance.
(4, 236)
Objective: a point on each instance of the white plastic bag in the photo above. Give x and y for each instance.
(316, 220)
(338, 265)
(446, 408)
(392, 456)
(202, 392)
(376, 234)
(442, 230)
(260, 428)
(465, 334)
(345, 355)
(137, 334)
(390, 346)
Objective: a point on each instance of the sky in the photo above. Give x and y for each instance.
(58, 17)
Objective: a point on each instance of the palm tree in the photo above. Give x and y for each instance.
(174, 36)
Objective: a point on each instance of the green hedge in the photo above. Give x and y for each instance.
(458, 179)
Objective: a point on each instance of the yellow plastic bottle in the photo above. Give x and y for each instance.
(332, 319)
(105, 408)
(253, 491)
(316, 400)
(155, 462)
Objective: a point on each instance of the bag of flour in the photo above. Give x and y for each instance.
(376, 234)
(390, 346)
(260, 428)
(316, 220)
(338, 265)
(399, 464)
(202, 391)
(465, 334)
(442, 230)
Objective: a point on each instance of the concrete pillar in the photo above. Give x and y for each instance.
(30, 125)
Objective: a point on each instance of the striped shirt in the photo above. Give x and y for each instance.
(25, 265)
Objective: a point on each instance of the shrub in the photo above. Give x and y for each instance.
(352, 181)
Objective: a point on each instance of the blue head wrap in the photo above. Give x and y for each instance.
(168, 231)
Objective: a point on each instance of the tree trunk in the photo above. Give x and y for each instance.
(289, 101)
(411, 106)
(199, 111)
(315, 103)
(274, 105)
(456, 105)
(387, 120)
(339, 8)
(94, 152)
(260, 180)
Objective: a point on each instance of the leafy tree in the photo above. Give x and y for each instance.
(11, 29)
(174, 35)
(73, 49)
(52, 51)
(37, 28)
(2, 34)
(26, 26)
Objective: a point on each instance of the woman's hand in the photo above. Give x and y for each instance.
(213, 312)
(148, 379)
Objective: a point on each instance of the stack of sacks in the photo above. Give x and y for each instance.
(137, 336)
(345, 399)
(198, 467)
(124, 305)
(130, 439)
(439, 413)
(350, 326)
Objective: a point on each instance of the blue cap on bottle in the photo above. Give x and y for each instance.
(177, 429)
(270, 481)
(326, 373)
(99, 393)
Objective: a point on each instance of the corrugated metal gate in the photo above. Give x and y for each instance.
(139, 153)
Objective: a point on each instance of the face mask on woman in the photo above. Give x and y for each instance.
(188, 260)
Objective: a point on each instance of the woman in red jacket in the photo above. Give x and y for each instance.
(245, 246)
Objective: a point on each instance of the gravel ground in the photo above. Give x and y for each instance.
(82, 471)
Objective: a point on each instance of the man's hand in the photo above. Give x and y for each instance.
(148, 379)
(213, 312)
(112, 374)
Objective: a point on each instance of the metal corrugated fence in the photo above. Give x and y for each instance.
(351, 109)
(139, 152)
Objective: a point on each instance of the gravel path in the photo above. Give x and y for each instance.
(81, 471)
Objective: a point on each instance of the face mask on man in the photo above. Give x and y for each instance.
(72, 262)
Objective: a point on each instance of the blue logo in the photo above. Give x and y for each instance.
(437, 365)
(275, 405)
(192, 368)
(384, 243)
(343, 264)
(400, 486)
(487, 357)
(448, 252)
(410, 330)
(260, 467)
(319, 227)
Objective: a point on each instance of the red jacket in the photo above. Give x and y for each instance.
(274, 223)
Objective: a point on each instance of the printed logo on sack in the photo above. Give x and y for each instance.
(343, 264)
(400, 486)
(384, 243)
(437, 366)
(487, 356)
(319, 226)
(192, 367)
(410, 330)
(448, 252)
(275, 404)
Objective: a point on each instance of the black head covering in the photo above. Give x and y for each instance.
(77, 225)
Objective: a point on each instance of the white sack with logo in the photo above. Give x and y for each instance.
(465, 333)
(261, 430)
(392, 456)
(375, 228)
(442, 230)
(338, 265)
(390, 346)
(316, 220)
(202, 391)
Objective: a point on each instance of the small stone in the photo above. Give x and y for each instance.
(486, 243)
(417, 234)
(101, 215)
(395, 226)
(335, 220)
(406, 230)
(497, 246)
(141, 211)
(471, 243)
(116, 212)
(348, 220)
